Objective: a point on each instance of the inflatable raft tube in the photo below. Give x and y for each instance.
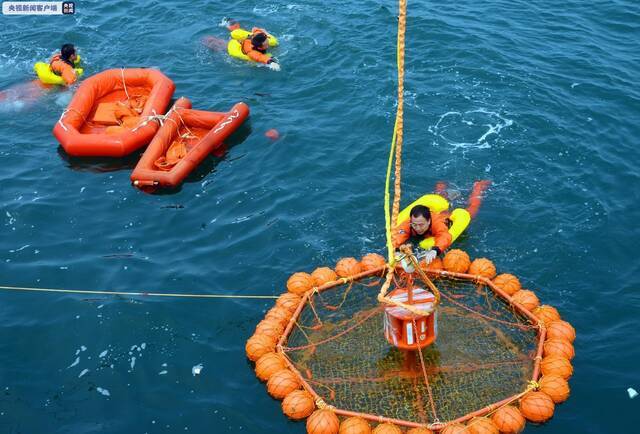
(460, 217)
(47, 76)
(200, 132)
(92, 125)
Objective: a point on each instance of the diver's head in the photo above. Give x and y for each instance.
(420, 216)
(260, 41)
(68, 53)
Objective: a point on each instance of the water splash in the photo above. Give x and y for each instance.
(470, 129)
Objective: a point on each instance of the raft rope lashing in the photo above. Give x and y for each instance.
(124, 84)
(64, 112)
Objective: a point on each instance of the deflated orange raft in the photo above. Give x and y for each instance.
(114, 112)
(184, 140)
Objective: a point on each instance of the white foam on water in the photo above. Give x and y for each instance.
(19, 249)
(163, 372)
(74, 363)
(102, 391)
(84, 371)
(481, 121)
(133, 362)
(197, 369)
(267, 10)
(104, 353)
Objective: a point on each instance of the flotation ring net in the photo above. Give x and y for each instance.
(485, 351)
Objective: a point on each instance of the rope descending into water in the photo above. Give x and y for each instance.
(391, 218)
(136, 294)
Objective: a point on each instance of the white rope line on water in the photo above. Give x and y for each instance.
(136, 294)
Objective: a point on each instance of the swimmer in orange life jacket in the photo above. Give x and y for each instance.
(423, 223)
(62, 64)
(256, 46)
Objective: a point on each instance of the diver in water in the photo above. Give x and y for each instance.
(423, 223)
(62, 63)
(256, 46)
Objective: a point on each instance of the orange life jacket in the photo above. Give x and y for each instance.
(438, 229)
(63, 68)
(257, 55)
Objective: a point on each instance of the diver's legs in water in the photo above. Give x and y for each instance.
(232, 24)
(475, 198)
(441, 189)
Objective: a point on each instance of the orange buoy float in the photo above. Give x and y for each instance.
(546, 314)
(289, 301)
(323, 275)
(559, 329)
(272, 134)
(556, 365)
(456, 260)
(270, 328)
(299, 283)
(269, 364)
(371, 261)
(347, 267)
(508, 283)
(454, 428)
(278, 314)
(526, 299)
(482, 267)
(560, 347)
(436, 264)
(537, 407)
(298, 404)
(509, 420)
(323, 422)
(482, 425)
(556, 387)
(282, 383)
(420, 430)
(258, 345)
(387, 428)
(355, 425)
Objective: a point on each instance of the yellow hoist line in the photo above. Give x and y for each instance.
(391, 217)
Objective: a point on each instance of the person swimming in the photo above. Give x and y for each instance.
(424, 223)
(255, 47)
(63, 64)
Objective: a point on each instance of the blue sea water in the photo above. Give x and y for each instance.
(542, 98)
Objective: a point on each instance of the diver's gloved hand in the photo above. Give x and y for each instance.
(275, 66)
(430, 255)
(405, 262)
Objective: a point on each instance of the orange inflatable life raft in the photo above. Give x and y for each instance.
(114, 112)
(184, 140)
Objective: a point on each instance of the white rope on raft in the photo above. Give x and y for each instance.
(136, 294)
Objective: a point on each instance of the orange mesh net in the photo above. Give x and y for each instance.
(484, 352)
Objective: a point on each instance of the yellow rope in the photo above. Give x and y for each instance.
(135, 294)
(396, 141)
(391, 217)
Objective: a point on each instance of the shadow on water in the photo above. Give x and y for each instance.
(107, 164)
(100, 164)
(208, 166)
